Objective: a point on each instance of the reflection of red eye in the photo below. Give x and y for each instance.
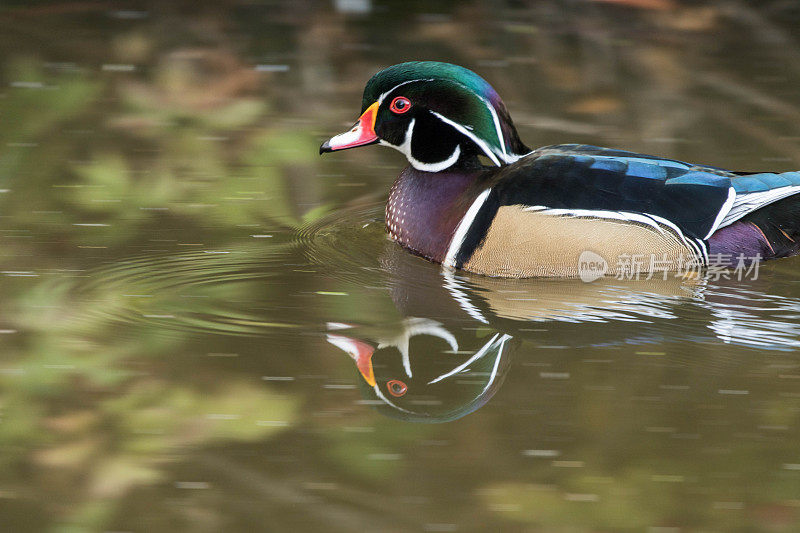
(400, 105)
(397, 388)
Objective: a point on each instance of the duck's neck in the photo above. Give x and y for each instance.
(424, 208)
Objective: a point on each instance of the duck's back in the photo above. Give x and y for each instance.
(540, 215)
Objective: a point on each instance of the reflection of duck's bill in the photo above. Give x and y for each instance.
(361, 352)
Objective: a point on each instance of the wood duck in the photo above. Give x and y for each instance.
(537, 213)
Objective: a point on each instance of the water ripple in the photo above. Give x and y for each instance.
(232, 291)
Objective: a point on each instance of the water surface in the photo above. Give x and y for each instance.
(186, 286)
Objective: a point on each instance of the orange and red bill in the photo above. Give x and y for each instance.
(361, 134)
(361, 352)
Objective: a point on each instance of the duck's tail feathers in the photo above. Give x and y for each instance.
(779, 222)
(757, 190)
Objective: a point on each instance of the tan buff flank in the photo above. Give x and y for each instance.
(524, 243)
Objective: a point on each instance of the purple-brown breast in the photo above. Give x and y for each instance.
(424, 209)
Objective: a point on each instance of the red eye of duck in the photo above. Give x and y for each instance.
(397, 388)
(400, 105)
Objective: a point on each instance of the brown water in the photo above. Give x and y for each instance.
(182, 275)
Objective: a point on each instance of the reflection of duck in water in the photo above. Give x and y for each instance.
(423, 373)
(453, 361)
(510, 305)
(441, 368)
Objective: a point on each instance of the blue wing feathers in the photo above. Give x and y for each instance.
(606, 163)
(646, 170)
(591, 178)
(701, 178)
(764, 181)
(747, 184)
(652, 167)
(678, 192)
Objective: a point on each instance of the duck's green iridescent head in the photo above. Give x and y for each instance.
(437, 114)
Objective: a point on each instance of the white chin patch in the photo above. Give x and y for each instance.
(405, 149)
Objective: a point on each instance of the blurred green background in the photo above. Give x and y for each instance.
(172, 247)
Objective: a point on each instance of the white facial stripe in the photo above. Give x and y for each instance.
(426, 326)
(463, 129)
(406, 359)
(405, 149)
(463, 227)
(413, 327)
(497, 127)
(380, 395)
(436, 167)
(490, 153)
(382, 97)
(499, 356)
(484, 349)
